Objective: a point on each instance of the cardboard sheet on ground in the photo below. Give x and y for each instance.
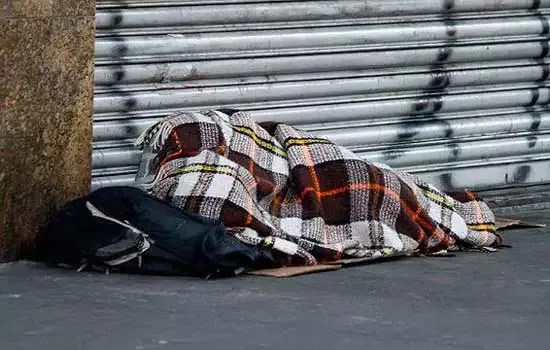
(292, 271)
(509, 224)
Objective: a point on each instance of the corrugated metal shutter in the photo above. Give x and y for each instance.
(454, 90)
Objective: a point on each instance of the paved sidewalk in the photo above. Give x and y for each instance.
(473, 301)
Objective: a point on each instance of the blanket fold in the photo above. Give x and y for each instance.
(276, 186)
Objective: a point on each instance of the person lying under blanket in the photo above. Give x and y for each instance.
(276, 186)
(218, 193)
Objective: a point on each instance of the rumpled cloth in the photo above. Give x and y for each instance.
(305, 197)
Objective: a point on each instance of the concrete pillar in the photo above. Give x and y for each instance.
(46, 94)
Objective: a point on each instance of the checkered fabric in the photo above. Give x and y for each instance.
(274, 185)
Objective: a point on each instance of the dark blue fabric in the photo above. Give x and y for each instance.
(183, 242)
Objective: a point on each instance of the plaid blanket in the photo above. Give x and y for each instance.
(305, 197)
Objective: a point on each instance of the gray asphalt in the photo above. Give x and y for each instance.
(472, 301)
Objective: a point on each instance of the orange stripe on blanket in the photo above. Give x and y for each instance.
(415, 215)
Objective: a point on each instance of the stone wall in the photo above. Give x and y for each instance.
(46, 96)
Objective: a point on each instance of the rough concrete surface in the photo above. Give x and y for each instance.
(472, 301)
(46, 93)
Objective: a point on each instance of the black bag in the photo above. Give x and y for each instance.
(126, 228)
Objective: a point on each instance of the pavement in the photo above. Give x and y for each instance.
(472, 301)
